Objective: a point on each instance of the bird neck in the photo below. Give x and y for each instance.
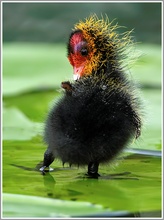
(107, 68)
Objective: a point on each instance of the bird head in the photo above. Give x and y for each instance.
(95, 45)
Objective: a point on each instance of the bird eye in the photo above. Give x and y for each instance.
(84, 52)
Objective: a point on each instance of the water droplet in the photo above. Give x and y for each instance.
(104, 87)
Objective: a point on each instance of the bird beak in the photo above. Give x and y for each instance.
(77, 71)
(76, 77)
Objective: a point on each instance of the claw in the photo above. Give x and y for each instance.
(43, 169)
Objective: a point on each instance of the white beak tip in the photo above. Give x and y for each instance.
(76, 76)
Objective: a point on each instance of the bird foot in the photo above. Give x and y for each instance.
(46, 169)
(93, 169)
(93, 175)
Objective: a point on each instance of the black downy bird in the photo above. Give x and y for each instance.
(100, 111)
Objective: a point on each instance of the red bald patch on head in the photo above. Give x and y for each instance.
(76, 39)
(78, 53)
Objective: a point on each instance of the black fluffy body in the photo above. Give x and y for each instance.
(93, 121)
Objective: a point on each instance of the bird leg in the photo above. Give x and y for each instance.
(48, 159)
(93, 169)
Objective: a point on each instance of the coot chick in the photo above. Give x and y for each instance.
(100, 111)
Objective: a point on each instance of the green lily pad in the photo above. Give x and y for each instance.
(16, 126)
(130, 183)
(15, 205)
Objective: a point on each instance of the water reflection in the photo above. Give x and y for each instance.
(49, 183)
(91, 186)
